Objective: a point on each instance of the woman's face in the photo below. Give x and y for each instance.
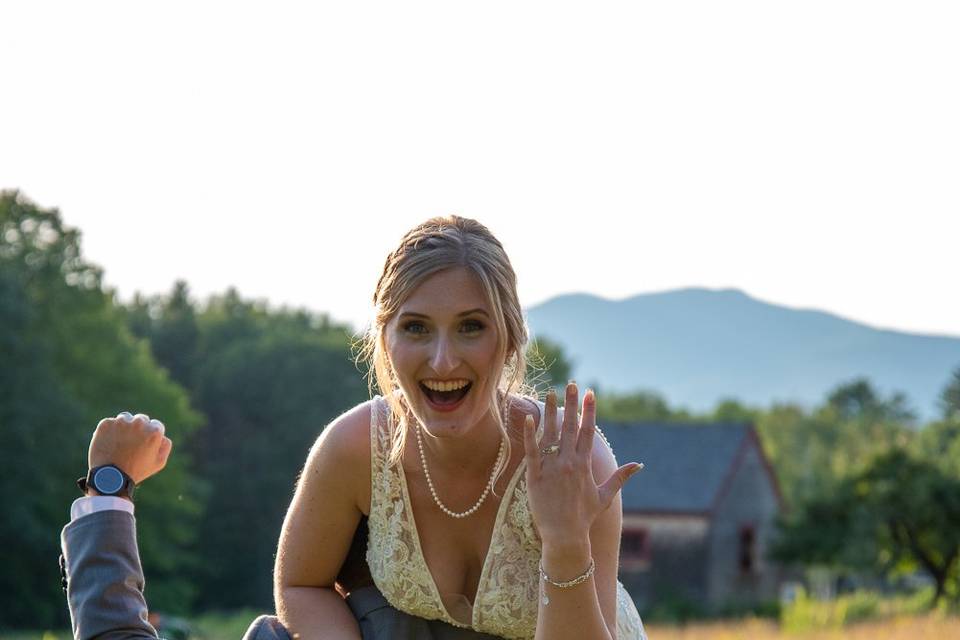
(442, 344)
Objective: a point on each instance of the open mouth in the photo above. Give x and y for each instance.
(445, 400)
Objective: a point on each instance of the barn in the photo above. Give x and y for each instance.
(698, 520)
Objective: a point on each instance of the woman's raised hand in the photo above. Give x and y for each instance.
(135, 444)
(564, 497)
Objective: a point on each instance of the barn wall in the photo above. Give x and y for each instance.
(749, 502)
(678, 554)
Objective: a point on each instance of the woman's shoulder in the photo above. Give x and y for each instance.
(349, 433)
(342, 452)
(519, 407)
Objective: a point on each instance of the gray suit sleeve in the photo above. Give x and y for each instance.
(104, 578)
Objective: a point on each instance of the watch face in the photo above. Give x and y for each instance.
(108, 480)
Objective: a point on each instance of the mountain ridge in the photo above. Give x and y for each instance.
(697, 345)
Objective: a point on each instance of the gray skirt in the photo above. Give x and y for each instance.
(378, 620)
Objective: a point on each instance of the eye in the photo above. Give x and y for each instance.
(414, 327)
(472, 326)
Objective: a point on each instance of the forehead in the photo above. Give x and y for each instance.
(450, 291)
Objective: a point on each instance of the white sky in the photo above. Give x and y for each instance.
(806, 152)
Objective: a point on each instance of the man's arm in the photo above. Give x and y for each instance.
(104, 579)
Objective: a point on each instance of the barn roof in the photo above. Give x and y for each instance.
(686, 465)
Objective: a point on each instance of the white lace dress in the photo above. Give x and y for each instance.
(507, 595)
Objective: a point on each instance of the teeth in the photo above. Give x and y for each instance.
(445, 385)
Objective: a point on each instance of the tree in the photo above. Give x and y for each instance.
(636, 406)
(35, 413)
(74, 360)
(547, 363)
(267, 382)
(731, 410)
(898, 514)
(858, 400)
(267, 400)
(856, 424)
(950, 397)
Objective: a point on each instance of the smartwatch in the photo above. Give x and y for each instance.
(108, 480)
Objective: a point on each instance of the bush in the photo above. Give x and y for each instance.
(806, 614)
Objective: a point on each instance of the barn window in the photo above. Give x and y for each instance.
(635, 546)
(748, 549)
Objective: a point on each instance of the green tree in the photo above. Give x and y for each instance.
(637, 406)
(898, 514)
(73, 341)
(950, 397)
(267, 382)
(732, 410)
(857, 400)
(35, 410)
(547, 363)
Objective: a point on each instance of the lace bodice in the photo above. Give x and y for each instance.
(507, 594)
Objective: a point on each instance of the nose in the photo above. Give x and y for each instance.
(444, 359)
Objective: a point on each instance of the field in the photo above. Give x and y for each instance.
(930, 627)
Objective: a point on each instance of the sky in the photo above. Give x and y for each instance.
(806, 153)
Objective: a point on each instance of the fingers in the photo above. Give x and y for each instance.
(157, 426)
(530, 447)
(127, 430)
(166, 445)
(588, 424)
(616, 481)
(568, 430)
(551, 430)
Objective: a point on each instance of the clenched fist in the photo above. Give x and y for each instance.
(136, 444)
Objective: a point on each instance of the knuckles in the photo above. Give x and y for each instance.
(141, 423)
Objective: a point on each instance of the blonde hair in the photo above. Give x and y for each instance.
(438, 244)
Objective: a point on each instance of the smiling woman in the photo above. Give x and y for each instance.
(483, 521)
(473, 290)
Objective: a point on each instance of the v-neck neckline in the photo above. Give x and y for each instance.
(484, 568)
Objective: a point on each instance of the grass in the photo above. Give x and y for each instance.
(820, 626)
(925, 627)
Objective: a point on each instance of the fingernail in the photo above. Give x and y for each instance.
(637, 467)
(156, 424)
(588, 397)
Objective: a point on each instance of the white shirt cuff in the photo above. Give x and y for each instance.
(91, 504)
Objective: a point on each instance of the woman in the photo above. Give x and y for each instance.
(486, 509)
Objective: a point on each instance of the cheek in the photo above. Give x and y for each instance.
(397, 356)
(485, 355)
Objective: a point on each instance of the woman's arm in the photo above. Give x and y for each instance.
(596, 599)
(578, 520)
(319, 528)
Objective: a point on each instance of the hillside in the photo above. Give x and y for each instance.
(698, 345)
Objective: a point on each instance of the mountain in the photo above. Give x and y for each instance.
(697, 345)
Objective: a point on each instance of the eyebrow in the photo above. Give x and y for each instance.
(414, 314)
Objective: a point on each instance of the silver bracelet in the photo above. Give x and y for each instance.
(583, 577)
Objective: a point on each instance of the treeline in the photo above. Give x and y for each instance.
(243, 390)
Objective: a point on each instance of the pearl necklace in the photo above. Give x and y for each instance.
(433, 491)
